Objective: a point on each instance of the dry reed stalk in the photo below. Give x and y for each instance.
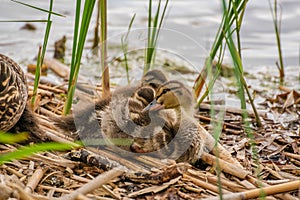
(154, 189)
(225, 166)
(12, 171)
(82, 197)
(292, 155)
(49, 113)
(57, 67)
(184, 195)
(46, 123)
(209, 119)
(255, 193)
(123, 161)
(94, 184)
(34, 180)
(259, 183)
(109, 191)
(217, 149)
(21, 193)
(54, 160)
(204, 184)
(214, 179)
(50, 88)
(233, 110)
(61, 190)
(154, 162)
(41, 92)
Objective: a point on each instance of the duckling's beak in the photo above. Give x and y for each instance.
(153, 106)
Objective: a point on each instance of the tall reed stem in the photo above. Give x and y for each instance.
(124, 42)
(41, 55)
(103, 49)
(277, 27)
(153, 33)
(78, 44)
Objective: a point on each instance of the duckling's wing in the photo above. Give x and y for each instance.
(189, 141)
(185, 144)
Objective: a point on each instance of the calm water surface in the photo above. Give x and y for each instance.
(189, 31)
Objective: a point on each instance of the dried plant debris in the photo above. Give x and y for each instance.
(274, 169)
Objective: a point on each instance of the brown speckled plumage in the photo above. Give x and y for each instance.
(99, 119)
(15, 113)
(180, 137)
(13, 93)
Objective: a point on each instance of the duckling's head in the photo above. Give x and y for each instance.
(144, 95)
(172, 95)
(154, 78)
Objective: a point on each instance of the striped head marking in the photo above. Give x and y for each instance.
(145, 95)
(170, 95)
(154, 78)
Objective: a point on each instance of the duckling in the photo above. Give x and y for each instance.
(99, 119)
(180, 137)
(125, 113)
(15, 113)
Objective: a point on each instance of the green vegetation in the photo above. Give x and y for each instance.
(103, 48)
(7, 138)
(230, 24)
(41, 53)
(154, 28)
(25, 151)
(42, 50)
(277, 28)
(227, 38)
(124, 43)
(80, 32)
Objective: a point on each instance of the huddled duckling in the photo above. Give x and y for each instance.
(180, 137)
(105, 118)
(15, 113)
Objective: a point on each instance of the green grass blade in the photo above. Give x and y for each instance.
(226, 23)
(153, 33)
(155, 24)
(124, 43)
(36, 77)
(75, 39)
(41, 55)
(232, 13)
(149, 36)
(158, 29)
(77, 53)
(277, 29)
(29, 150)
(47, 33)
(161, 21)
(9, 138)
(37, 8)
(151, 47)
(125, 49)
(238, 68)
(37, 20)
(129, 27)
(103, 49)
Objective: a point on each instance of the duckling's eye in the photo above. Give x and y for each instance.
(165, 91)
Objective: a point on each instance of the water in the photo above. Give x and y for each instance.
(188, 32)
